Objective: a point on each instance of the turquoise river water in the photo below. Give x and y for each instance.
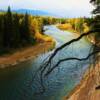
(14, 81)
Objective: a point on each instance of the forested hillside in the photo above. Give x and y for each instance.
(14, 31)
(20, 30)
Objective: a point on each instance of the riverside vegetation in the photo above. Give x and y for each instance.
(21, 37)
(21, 30)
(30, 29)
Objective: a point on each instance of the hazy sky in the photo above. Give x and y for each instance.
(68, 8)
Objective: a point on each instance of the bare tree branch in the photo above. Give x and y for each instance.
(47, 63)
(73, 58)
(63, 46)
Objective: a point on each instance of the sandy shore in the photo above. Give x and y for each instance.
(86, 90)
(25, 54)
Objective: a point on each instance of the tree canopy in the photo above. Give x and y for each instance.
(96, 20)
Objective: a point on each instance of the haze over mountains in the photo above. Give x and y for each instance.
(62, 8)
(33, 12)
(58, 14)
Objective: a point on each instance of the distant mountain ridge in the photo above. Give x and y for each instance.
(2, 10)
(33, 12)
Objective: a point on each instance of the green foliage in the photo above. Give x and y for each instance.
(74, 24)
(24, 29)
(79, 25)
(89, 21)
(18, 30)
(1, 31)
(13, 32)
(96, 20)
(9, 29)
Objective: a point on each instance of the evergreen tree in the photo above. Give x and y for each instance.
(1, 31)
(24, 29)
(9, 29)
(5, 32)
(96, 19)
(16, 32)
(27, 29)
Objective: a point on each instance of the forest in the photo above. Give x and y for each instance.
(49, 58)
(14, 31)
(19, 30)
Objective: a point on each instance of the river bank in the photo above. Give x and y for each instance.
(67, 27)
(86, 90)
(25, 54)
(14, 80)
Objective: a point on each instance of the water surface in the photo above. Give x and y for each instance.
(14, 81)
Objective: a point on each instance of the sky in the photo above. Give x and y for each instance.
(67, 8)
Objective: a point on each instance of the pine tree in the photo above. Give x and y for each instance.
(5, 33)
(9, 29)
(16, 32)
(24, 29)
(26, 26)
(1, 31)
(96, 19)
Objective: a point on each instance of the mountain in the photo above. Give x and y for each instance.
(2, 10)
(33, 12)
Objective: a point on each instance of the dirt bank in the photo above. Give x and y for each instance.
(25, 54)
(86, 90)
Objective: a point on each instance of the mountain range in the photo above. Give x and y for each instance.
(33, 12)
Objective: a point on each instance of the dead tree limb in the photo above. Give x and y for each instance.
(63, 46)
(47, 63)
(68, 59)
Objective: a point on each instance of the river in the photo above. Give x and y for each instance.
(14, 81)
